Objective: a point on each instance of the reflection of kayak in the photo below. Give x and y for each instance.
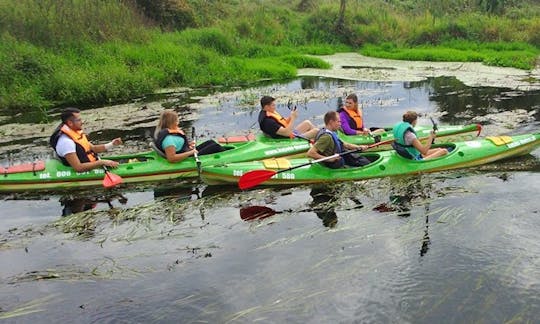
(149, 166)
(384, 164)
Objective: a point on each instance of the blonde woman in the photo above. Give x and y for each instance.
(172, 141)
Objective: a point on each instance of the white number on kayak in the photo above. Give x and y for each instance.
(238, 173)
(98, 171)
(287, 176)
(44, 175)
(60, 174)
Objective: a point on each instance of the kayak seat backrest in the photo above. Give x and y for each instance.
(158, 151)
(55, 156)
(402, 151)
(499, 140)
(278, 163)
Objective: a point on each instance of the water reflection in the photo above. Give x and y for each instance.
(72, 205)
(323, 204)
(404, 195)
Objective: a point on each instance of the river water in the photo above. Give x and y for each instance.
(448, 247)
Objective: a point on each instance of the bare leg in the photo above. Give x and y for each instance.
(435, 153)
(311, 134)
(304, 127)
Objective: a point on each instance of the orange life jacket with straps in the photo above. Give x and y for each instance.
(280, 119)
(355, 120)
(82, 145)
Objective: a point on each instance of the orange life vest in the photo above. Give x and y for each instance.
(282, 121)
(81, 141)
(356, 121)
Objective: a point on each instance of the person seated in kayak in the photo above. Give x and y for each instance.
(407, 143)
(73, 147)
(327, 143)
(352, 122)
(276, 126)
(173, 143)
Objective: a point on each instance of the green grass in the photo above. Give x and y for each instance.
(93, 52)
(518, 55)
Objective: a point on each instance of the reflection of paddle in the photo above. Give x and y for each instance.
(256, 212)
(255, 177)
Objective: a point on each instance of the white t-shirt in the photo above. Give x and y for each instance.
(409, 137)
(65, 145)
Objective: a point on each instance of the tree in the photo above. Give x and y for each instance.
(340, 26)
(305, 5)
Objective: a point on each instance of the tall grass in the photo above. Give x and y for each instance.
(85, 51)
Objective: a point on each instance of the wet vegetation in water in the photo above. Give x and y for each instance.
(56, 53)
(459, 245)
(441, 244)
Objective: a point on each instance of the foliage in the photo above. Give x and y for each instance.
(519, 55)
(168, 14)
(85, 51)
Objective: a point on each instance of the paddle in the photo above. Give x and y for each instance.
(197, 160)
(111, 180)
(255, 177)
(435, 128)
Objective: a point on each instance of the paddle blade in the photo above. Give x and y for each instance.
(111, 180)
(255, 177)
(256, 212)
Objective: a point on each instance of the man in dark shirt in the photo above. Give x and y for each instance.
(276, 126)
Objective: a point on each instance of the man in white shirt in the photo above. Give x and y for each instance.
(74, 149)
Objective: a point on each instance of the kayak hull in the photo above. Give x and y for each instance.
(384, 164)
(151, 167)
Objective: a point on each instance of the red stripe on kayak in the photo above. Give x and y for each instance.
(26, 167)
(237, 139)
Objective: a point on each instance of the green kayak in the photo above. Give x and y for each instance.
(279, 171)
(141, 167)
(150, 166)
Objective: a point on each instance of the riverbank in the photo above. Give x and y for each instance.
(353, 66)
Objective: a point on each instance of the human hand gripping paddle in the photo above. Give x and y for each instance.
(111, 180)
(256, 177)
(196, 155)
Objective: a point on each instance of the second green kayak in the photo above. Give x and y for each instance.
(280, 171)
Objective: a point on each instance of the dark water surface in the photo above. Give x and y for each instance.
(458, 246)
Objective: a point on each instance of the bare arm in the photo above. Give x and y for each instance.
(287, 131)
(76, 164)
(172, 156)
(314, 154)
(424, 148)
(99, 148)
(350, 146)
